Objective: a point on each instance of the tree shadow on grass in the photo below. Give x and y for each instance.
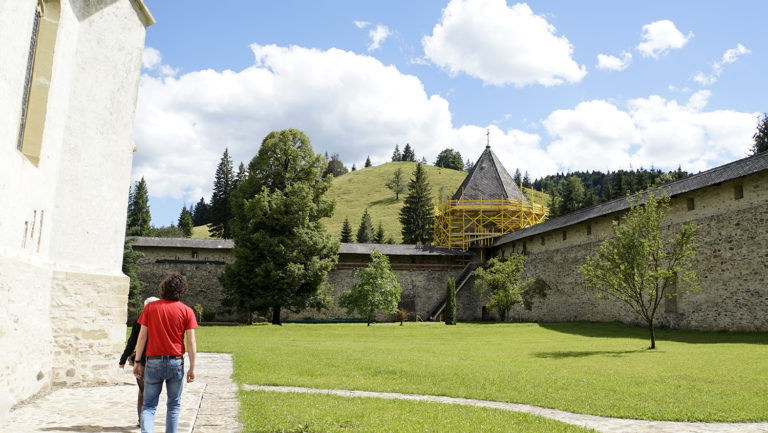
(621, 330)
(585, 353)
(383, 202)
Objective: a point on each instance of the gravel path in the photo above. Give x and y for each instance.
(601, 424)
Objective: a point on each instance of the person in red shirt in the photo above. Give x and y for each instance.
(164, 324)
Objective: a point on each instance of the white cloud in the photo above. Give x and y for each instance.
(355, 105)
(152, 60)
(729, 56)
(652, 131)
(613, 63)
(501, 45)
(378, 34)
(661, 36)
(362, 24)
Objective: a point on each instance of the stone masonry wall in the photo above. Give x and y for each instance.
(731, 264)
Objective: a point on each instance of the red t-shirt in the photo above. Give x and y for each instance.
(166, 322)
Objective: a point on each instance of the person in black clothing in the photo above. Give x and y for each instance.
(129, 354)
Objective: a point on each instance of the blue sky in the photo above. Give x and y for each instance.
(562, 85)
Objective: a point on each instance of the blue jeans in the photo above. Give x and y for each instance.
(157, 371)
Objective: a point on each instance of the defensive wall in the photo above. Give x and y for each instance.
(422, 272)
(729, 203)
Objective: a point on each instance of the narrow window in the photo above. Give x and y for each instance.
(691, 204)
(194, 254)
(38, 78)
(589, 229)
(542, 240)
(565, 235)
(738, 192)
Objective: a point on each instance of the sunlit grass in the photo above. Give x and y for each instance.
(600, 369)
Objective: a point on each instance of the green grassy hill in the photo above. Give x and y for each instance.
(364, 188)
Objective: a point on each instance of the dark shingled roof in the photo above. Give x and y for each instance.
(715, 176)
(488, 180)
(400, 250)
(184, 243)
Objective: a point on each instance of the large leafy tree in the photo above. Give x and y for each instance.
(221, 211)
(282, 251)
(638, 265)
(185, 222)
(346, 231)
(450, 158)
(335, 167)
(761, 135)
(365, 230)
(500, 280)
(417, 214)
(396, 183)
(375, 289)
(138, 222)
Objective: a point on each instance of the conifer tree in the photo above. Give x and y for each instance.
(185, 222)
(201, 214)
(365, 231)
(221, 211)
(408, 153)
(368, 162)
(138, 221)
(136, 286)
(282, 251)
(526, 180)
(335, 167)
(518, 177)
(378, 238)
(346, 232)
(468, 165)
(450, 302)
(417, 215)
(761, 136)
(353, 167)
(240, 176)
(396, 155)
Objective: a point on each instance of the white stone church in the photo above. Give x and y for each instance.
(69, 75)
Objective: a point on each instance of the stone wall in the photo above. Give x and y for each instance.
(731, 263)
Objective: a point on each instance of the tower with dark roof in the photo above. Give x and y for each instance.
(488, 204)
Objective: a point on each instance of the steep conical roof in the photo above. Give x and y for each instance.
(488, 180)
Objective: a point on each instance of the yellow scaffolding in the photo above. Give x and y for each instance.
(464, 223)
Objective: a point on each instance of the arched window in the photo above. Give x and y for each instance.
(38, 78)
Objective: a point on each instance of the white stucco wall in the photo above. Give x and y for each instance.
(63, 222)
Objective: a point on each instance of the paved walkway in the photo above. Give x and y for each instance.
(601, 424)
(208, 405)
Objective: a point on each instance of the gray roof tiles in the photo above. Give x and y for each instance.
(714, 176)
(488, 180)
(183, 243)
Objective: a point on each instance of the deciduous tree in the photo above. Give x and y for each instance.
(450, 158)
(500, 279)
(396, 183)
(335, 167)
(417, 215)
(282, 251)
(639, 265)
(375, 289)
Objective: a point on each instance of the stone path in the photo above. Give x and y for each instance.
(208, 405)
(601, 424)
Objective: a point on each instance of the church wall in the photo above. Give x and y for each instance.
(61, 238)
(731, 263)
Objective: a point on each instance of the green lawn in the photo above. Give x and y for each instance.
(600, 369)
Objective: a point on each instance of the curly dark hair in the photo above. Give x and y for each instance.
(173, 287)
